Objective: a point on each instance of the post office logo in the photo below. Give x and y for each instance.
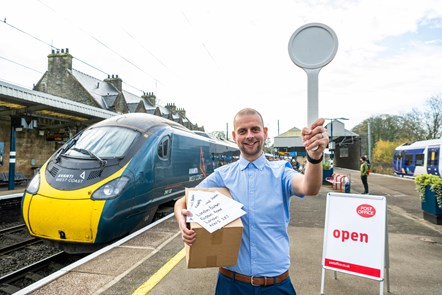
(366, 210)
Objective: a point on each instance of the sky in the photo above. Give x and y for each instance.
(213, 58)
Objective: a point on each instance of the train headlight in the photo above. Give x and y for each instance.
(34, 185)
(111, 189)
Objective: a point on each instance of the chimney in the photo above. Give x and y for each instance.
(58, 62)
(171, 107)
(150, 97)
(115, 81)
(182, 112)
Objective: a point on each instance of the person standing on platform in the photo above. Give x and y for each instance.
(364, 173)
(264, 188)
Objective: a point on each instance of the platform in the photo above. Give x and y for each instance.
(152, 261)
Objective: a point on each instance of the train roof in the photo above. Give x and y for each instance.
(140, 121)
(217, 140)
(144, 121)
(202, 133)
(420, 144)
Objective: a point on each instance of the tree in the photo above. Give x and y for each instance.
(383, 155)
(389, 131)
(412, 126)
(382, 127)
(433, 117)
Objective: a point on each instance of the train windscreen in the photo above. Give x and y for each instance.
(104, 142)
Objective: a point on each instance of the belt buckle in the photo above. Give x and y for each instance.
(251, 281)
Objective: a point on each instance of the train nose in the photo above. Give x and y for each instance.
(60, 219)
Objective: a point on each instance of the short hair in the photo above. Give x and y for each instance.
(247, 111)
(364, 158)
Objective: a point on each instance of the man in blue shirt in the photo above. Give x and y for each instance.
(264, 188)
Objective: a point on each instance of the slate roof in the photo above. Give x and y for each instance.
(105, 94)
(97, 88)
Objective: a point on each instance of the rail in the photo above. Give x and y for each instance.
(339, 182)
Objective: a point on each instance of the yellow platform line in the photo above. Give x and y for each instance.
(160, 274)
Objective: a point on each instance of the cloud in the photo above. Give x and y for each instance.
(214, 57)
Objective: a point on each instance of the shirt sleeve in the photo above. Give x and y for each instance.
(213, 180)
(289, 174)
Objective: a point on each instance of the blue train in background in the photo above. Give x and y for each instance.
(112, 178)
(420, 157)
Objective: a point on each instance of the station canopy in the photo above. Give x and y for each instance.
(20, 102)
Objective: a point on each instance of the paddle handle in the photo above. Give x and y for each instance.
(312, 95)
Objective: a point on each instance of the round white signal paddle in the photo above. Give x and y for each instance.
(311, 47)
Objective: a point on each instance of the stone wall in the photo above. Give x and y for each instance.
(32, 149)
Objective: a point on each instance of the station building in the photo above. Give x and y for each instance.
(344, 146)
(36, 122)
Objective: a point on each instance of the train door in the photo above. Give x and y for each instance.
(163, 162)
(420, 167)
(433, 154)
(398, 162)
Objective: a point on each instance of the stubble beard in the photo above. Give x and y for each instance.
(254, 152)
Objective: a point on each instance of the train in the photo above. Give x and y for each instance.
(420, 157)
(114, 176)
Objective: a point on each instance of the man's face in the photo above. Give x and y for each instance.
(249, 135)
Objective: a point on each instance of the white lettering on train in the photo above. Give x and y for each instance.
(196, 177)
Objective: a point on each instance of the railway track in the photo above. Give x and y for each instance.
(21, 244)
(24, 259)
(15, 238)
(21, 278)
(12, 228)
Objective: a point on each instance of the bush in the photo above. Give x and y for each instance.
(435, 184)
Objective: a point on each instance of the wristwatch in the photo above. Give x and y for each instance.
(314, 161)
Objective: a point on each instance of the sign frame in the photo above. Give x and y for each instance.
(354, 224)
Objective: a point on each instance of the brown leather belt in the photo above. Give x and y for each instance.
(255, 281)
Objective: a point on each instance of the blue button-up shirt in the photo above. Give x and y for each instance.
(264, 188)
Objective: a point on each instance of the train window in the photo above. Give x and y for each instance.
(433, 157)
(104, 142)
(163, 148)
(408, 160)
(420, 160)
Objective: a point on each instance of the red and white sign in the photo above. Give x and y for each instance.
(355, 234)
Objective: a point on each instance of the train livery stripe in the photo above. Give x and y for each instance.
(160, 274)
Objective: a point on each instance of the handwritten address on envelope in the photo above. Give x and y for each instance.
(213, 210)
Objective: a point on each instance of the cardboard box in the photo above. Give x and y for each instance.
(219, 248)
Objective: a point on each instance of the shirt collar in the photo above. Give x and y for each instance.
(258, 163)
